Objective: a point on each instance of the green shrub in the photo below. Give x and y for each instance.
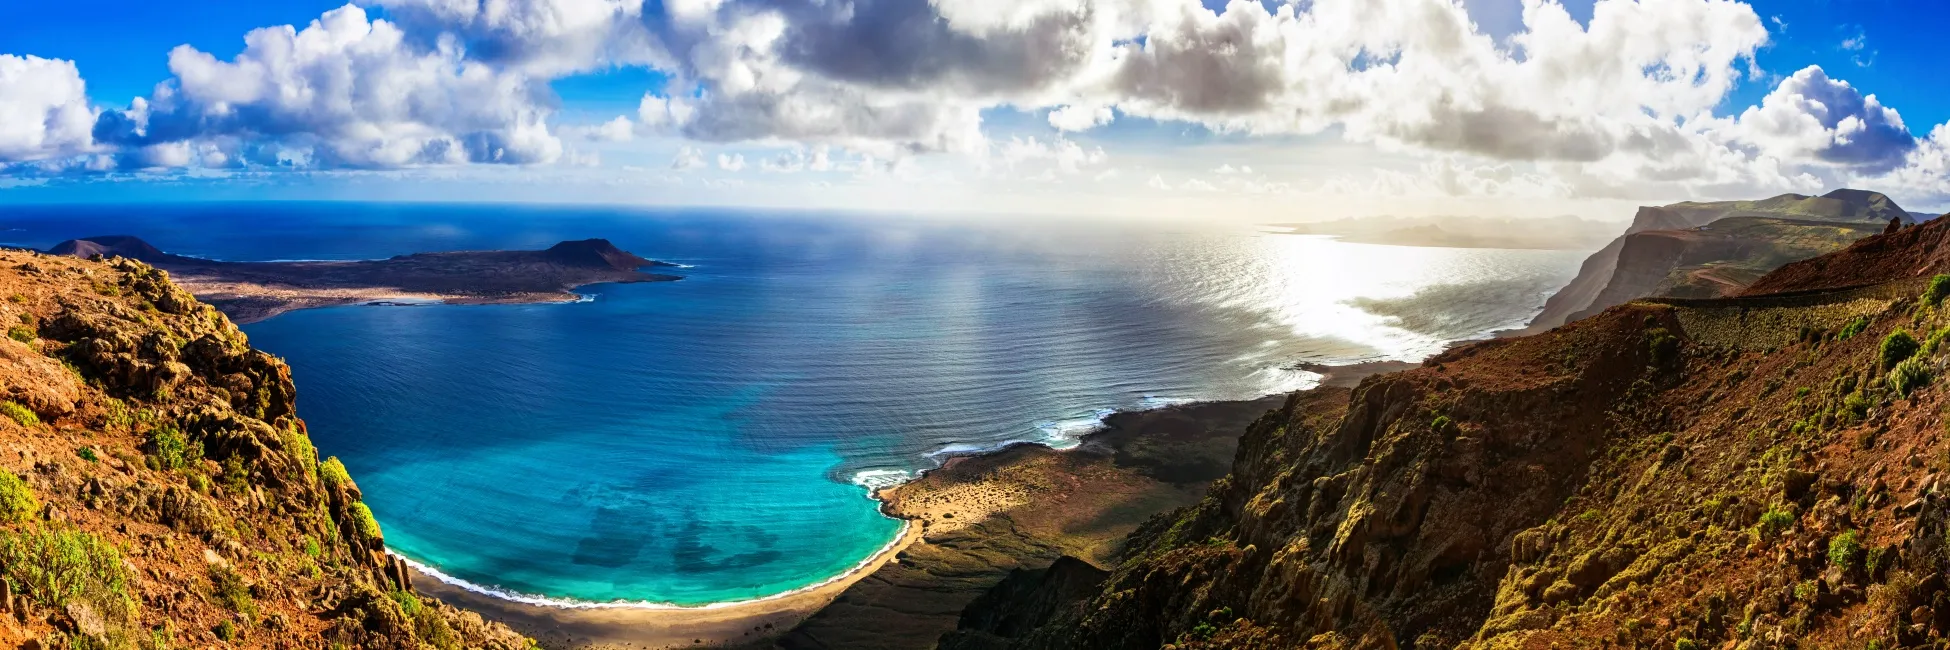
(408, 603)
(1845, 550)
(1934, 343)
(17, 502)
(87, 454)
(226, 631)
(1939, 289)
(228, 587)
(20, 414)
(1663, 346)
(236, 477)
(1774, 522)
(434, 630)
(332, 473)
(1899, 346)
(1853, 328)
(172, 450)
(1441, 423)
(57, 566)
(1685, 644)
(299, 446)
(22, 333)
(311, 547)
(363, 519)
(1908, 376)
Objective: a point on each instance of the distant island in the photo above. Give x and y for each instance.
(253, 291)
(1554, 233)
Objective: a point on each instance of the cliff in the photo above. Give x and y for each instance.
(157, 489)
(1757, 471)
(1637, 263)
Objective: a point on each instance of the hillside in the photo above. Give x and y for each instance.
(157, 489)
(1758, 471)
(1654, 248)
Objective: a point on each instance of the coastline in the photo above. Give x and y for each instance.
(247, 303)
(928, 515)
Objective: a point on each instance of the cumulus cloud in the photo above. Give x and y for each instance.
(731, 163)
(344, 91)
(44, 110)
(688, 158)
(1811, 115)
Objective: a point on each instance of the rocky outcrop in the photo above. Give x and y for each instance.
(146, 440)
(1739, 472)
(1641, 256)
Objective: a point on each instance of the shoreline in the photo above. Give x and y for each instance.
(566, 623)
(248, 303)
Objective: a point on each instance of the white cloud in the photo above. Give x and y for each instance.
(1080, 118)
(344, 91)
(44, 110)
(731, 163)
(688, 158)
(1811, 116)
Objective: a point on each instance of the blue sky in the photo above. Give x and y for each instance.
(966, 115)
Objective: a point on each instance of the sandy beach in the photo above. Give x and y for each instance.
(638, 628)
(1074, 502)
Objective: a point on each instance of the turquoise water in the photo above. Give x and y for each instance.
(709, 440)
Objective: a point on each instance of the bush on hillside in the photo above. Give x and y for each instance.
(56, 567)
(1845, 550)
(1939, 289)
(17, 502)
(1853, 328)
(1908, 376)
(20, 414)
(332, 473)
(363, 519)
(172, 450)
(1899, 346)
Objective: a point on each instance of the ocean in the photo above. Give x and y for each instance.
(714, 439)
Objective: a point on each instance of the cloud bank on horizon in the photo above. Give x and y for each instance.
(1630, 103)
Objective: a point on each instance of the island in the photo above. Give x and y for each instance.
(253, 291)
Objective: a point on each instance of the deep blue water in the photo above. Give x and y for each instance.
(707, 440)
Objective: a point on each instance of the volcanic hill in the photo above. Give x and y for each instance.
(157, 489)
(252, 291)
(1716, 249)
(1760, 471)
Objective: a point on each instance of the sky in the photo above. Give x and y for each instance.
(1242, 111)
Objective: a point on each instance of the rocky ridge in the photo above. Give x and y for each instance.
(1665, 245)
(1762, 471)
(157, 489)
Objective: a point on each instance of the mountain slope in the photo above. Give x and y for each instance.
(1765, 470)
(157, 489)
(1593, 289)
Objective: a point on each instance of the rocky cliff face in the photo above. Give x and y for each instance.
(157, 489)
(1632, 266)
(1761, 471)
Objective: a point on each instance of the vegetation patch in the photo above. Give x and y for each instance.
(56, 567)
(22, 333)
(173, 451)
(332, 473)
(1898, 347)
(20, 414)
(17, 502)
(1845, 550)
(1908, 376)
(1938, 290)
(1853, 328)
(363, 519)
